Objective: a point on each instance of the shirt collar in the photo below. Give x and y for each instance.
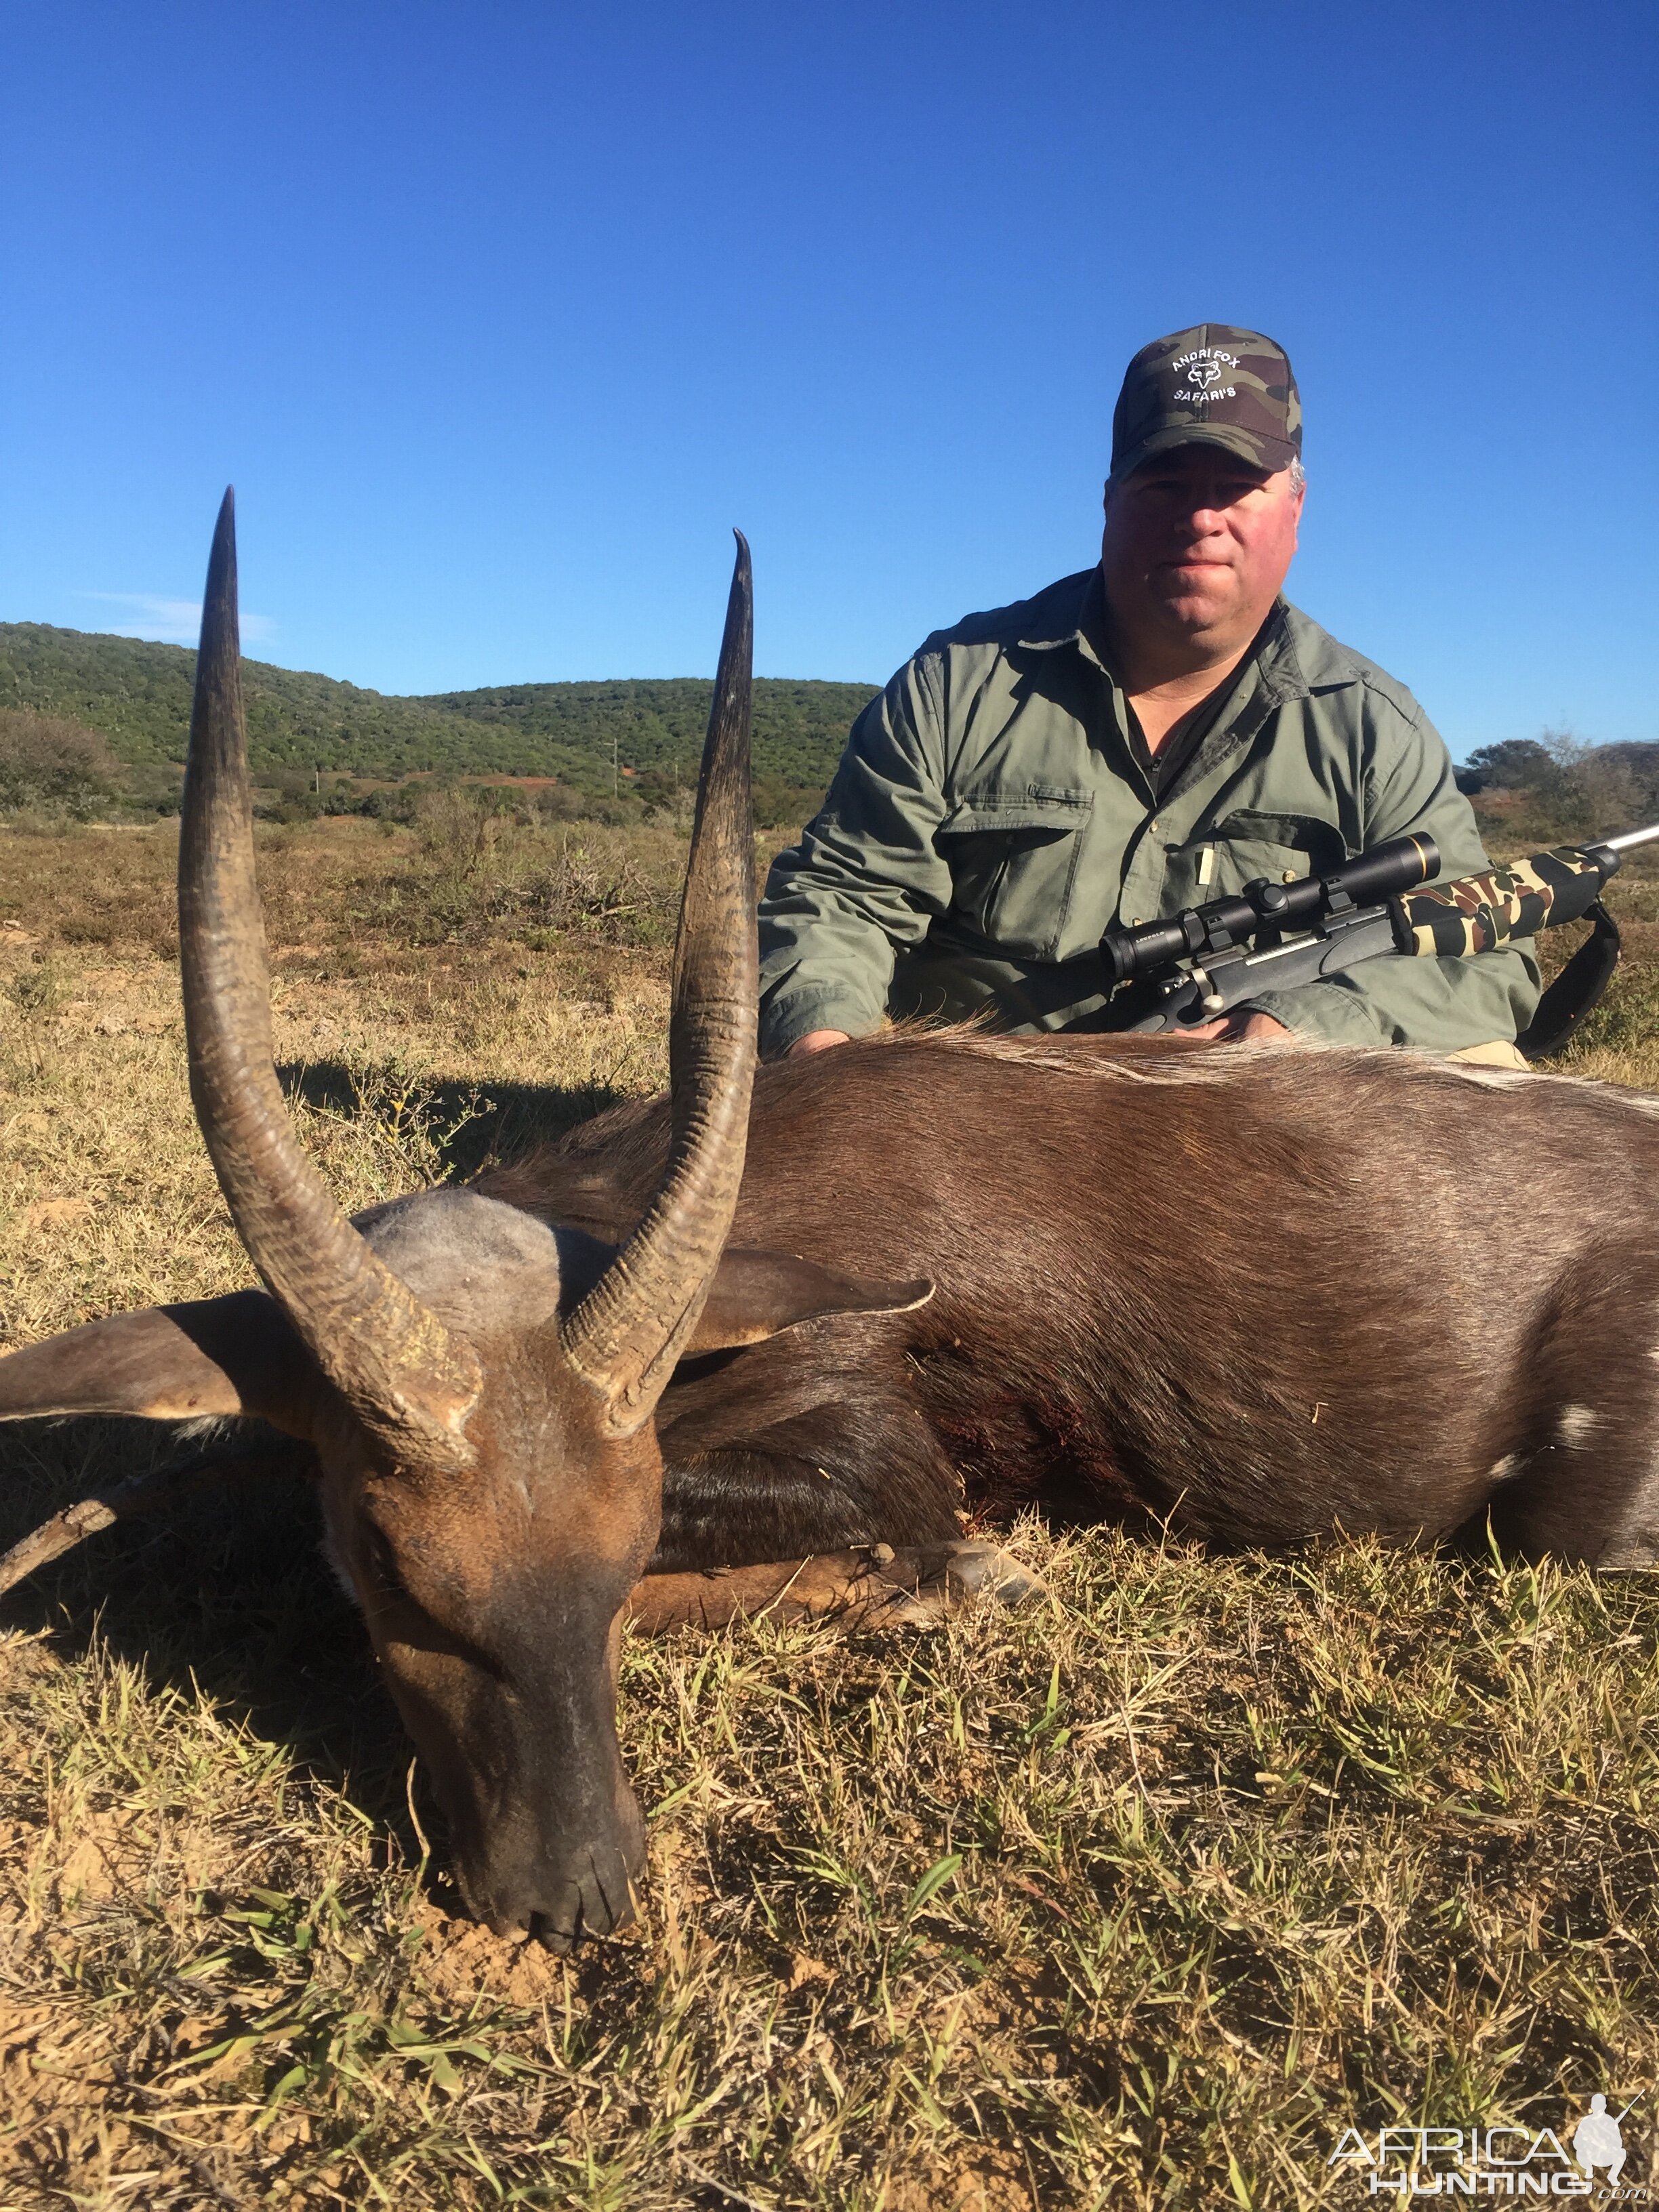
(1073, 612)
(1273, 650)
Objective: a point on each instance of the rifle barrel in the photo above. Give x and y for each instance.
(1631, 839)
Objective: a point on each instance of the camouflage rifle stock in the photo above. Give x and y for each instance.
(1211, 958)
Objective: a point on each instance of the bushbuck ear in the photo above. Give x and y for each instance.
(757, 1294)
(232, 1355)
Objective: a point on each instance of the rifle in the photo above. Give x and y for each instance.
(1207, 959)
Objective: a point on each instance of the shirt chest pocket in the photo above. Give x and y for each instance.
(1246, 846)
(1014, 860)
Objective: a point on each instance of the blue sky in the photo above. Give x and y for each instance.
(500, 315)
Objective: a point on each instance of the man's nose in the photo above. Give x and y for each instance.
(1201, 522)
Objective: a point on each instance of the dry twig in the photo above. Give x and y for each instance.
(145, 1493)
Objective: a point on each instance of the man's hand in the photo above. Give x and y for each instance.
(1240, 1027)
(821, 1041)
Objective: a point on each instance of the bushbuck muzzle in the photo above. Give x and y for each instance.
(521, 1747)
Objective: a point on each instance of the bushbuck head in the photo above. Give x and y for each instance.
(477, 1387)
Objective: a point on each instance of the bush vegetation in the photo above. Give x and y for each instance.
(625, 747)
(1555, 788)
(51, 766)
(619, 753)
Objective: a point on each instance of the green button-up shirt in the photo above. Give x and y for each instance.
(991, 816)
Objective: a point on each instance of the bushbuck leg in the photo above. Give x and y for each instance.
(873, 1586)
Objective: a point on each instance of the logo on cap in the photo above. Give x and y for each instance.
(1204, 367)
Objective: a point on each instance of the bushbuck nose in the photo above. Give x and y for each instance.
(556, 1854)
(594, 1898)
(576, 1879)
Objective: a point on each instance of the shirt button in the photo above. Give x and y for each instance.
(1290, 876)
(1135, 921)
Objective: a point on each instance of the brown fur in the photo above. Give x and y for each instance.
(1258, 1291)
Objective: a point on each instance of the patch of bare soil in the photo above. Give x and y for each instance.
(983, 2180)
(461, 1961)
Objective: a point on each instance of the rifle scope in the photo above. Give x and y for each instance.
(1386, 870)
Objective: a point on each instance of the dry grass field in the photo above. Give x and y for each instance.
(1135, 1901)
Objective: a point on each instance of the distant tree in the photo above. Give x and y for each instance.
(1558, 788)
(1512, 764)
(781, 803)
(1600, 786)
(559, 802)
(54, 766)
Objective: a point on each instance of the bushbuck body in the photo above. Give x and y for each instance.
(1257, 1293)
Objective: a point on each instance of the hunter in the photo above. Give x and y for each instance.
(1158, 730)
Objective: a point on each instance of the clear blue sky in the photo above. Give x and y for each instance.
(500, 315)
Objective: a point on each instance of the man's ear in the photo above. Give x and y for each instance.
(757, 1294)
(231, 1355)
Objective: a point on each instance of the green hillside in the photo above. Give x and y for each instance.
(138, 696)
(800, 728)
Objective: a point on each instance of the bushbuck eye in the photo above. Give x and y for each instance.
(381, 1561)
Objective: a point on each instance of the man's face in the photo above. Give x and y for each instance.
(1196, 545)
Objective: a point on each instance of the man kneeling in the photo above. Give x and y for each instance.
(1154, 732)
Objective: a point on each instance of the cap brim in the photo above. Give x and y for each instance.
(1269, 453)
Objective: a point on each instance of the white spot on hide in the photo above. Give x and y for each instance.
(1577, 1426)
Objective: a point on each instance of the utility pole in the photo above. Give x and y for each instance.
(615, 772)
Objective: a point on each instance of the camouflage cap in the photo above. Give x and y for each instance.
(1213, 384)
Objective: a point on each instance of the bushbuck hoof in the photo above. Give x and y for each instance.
(941, 1578)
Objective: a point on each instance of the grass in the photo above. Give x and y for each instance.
(1136, 1901)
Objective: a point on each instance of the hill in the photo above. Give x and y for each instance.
(800, 727)
(137, 694)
